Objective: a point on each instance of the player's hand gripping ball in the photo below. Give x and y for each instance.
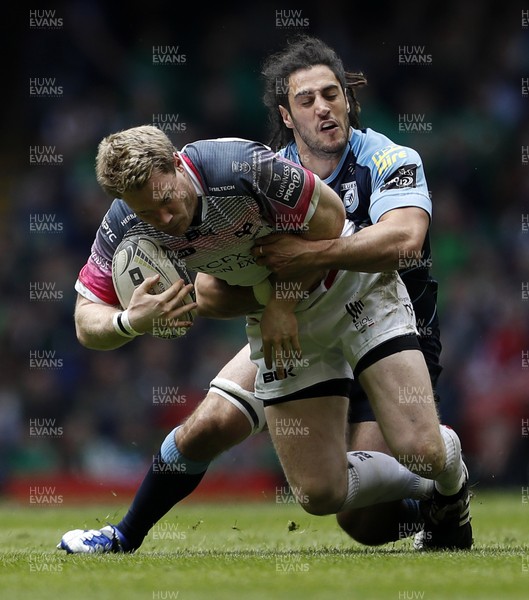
(140, 256)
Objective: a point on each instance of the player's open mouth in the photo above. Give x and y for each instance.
(328, 125)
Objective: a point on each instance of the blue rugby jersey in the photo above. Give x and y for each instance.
(376, 175)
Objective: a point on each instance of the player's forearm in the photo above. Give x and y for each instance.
(376, 248)
(218, 300)
(94, 327)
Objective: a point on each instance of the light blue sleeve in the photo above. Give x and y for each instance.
(398, 181)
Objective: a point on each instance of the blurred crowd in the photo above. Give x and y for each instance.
(448, 84)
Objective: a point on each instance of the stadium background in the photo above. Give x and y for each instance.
(451, 82)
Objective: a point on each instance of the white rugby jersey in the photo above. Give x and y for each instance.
(245, 191)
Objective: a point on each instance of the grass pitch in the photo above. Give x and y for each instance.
(260, 551)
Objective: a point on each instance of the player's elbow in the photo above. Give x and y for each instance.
(413, 233)
(89, 341)
(410, 239)
(411, 244)
(84, 339)
(209, 295)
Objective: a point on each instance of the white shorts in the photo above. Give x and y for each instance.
(337, 328)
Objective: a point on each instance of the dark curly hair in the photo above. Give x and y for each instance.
(302, 53)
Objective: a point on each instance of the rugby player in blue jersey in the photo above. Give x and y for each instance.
(315, 122)
(234, 382)
(314, 114)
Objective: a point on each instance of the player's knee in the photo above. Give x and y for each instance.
(207, 434)
(319, 498)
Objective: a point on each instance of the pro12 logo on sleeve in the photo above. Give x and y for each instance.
(403, 177)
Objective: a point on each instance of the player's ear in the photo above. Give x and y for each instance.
(177, 161)
(285, 115)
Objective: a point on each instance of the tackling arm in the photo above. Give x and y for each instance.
(380, 247)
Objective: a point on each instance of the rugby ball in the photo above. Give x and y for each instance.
(140, 256)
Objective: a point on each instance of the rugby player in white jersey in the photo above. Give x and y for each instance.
(221, 424)
(200, 216)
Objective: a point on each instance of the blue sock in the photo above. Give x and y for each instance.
(164, 485)
(172, 457)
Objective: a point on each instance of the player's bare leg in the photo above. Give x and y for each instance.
(217, 424)
(214, 426)
(227, 415)
(401, 395)
(309, 437)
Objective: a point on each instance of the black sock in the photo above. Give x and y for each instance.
(159, 491)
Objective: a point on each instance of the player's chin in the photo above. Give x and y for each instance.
(334, 146)
(332, 140)
(172, 231)
(177, 229)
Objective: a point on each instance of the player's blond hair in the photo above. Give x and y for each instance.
(126, 160)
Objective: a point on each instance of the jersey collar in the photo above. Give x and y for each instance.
(202, 206)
